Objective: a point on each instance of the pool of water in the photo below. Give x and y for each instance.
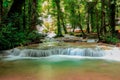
(59, 68)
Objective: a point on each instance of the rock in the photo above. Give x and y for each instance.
(118, 45)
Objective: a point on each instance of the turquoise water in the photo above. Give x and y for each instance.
(59, 68)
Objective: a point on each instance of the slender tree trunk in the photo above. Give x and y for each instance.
(64, 27)
(97, 25)
(112, 16)
(103, 27)
(29, 13)
(92, 13)
(80, 26)
(59, 31)
(88, 21)
(73, 26)
(117, 10)
(63, 23)
(88, 25)
(1, 10)
(92, 20)
(72, 15)
(24, 16)
(34, 15)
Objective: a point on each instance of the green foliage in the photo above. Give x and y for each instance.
(10, 37)
(6, 3)
(13, 33)
(112, 39)
(16, 29)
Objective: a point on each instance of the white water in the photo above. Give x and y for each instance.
(92, 52)
(67, 53)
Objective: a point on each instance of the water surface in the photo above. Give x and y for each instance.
(59, 68)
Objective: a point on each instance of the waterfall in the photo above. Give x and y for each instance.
(15, 52)
(99, 52)
(90, 52)
(96, 52)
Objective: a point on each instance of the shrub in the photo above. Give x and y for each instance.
(112, 39)
(11, 37)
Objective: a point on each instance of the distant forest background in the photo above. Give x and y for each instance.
(18, 20)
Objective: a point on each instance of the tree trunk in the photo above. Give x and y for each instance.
(59, 31)
(88, 21)
(80, 26)
(88, 17)
(73, 26)
(64, 27)
(117, 10)
(34, 15)
(24, 17)
(97, 25)
(63, 23)
(92, 21)
(103, 27)
(91, 7)
(112, 17)
(72, 15)
(1, 10)
(29, 13)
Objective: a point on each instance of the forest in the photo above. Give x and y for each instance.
(20, 20)
(59, 39)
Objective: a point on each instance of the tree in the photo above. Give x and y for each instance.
(112, 8)
(1, 10)
(72, 14)
(103, 27)
(34, 15)
(88, 17)
(63, 22)
(79, 21)
(59, 29)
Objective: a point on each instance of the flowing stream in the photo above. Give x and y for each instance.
(90, 53)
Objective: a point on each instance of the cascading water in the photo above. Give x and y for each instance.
(80, 53)
(92, 52)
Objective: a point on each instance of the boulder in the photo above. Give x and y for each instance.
(118, 45)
